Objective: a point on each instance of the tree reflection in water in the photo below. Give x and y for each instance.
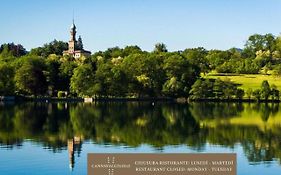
(60, 126)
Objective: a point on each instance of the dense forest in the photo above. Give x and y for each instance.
(132, 72)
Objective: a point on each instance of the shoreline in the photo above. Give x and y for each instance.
(127, 99)
(84, 100)
(236, 100)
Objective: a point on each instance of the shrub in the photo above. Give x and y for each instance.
(61, 94)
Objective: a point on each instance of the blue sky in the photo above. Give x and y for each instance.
(180, 24)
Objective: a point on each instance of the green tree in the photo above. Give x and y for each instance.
(275, 93)
(53, 75)
(79, 43)
(132, 66)
(111, 79)
(66, 70)
(230, 89)
(110, 53)
(216, 58)
(82, 81)
(240, 94)
(181, 75)
(160, 47)
(197, 91)
(225, 89)
(259, 43)
(265, 90)
(228, 93)
(145, 73)
(263, 58)
(30, 77)
(247, 66)
(173, 87)
(128, 50)
(197, 57)
(257, 94)
(54, 47)
(277, 70)
(249, 93)
(218, 88)
(202, 89)
(7, 85)
(11, 50)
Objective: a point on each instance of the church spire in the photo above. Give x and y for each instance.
(75, 48)
(73, 24)
(73, 31)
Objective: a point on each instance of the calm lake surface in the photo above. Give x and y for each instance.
(54, 138)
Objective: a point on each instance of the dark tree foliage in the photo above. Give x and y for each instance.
(54, 47)
(197, 57)
(11, 49)
(30, 77)
(215, 89)
(128, 50)
(160, 47)
(180, 76)
(79, 44)
(7, 85)
(259, 42)
(66, 70)
(265, 90)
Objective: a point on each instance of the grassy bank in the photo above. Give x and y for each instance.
(247, 81)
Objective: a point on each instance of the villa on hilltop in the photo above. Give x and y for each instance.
(75, 47)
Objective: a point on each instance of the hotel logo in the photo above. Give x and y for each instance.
(162, 164)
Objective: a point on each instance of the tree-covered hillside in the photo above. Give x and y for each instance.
(132, 72)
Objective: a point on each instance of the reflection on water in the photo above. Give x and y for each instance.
(60, 126)
(74, 144)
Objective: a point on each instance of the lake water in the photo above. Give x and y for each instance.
(54, 138)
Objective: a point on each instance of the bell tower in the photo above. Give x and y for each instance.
(75, 47)
(72, 41)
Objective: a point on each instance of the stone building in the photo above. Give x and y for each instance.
(75, 47)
